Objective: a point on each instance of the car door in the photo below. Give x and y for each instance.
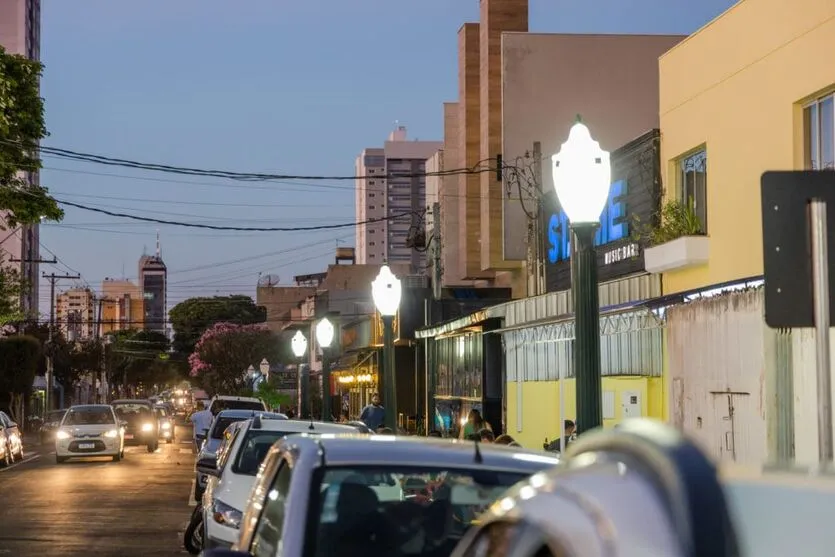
(269, 533)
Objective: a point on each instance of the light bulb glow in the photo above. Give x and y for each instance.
(299, 344)
(582, 174)
(386, 291)
(324, 332)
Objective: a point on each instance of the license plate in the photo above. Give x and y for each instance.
(86, 445)
(128, 435)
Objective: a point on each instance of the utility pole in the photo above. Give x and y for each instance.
(100, 337)
(539, 261)
(437, 269)
(29, 260)
(52, 278)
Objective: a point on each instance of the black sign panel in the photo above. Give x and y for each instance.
(787, 246)
(635, 192)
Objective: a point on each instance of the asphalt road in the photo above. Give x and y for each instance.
(94, 507)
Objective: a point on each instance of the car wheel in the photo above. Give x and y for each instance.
(7, 458)
(117, 457)
(194, 534)
(152, 447)
(20, 452)
(60, 459)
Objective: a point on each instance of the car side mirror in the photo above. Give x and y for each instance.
(225, 553)
(13, 424)
(207, 465)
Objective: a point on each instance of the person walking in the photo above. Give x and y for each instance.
(473, 426)
(374, 414)
(201, 421)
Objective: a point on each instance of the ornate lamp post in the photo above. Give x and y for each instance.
(387, 291)
(324, 337)
(582, 176)
(299, 346)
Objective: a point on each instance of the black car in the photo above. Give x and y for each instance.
(51, 422)
(140, 422)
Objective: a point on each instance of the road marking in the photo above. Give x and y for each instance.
(24, 461)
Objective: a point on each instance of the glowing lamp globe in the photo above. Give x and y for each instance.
(324, 333)
(386, 291)
(582, 175)
(298, 344)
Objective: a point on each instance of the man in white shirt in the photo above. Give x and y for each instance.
(201, 421)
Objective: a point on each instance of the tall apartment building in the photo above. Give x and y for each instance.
(122, 306)
(398, 196)
(20, 33)
(75, 313)
(153, 285)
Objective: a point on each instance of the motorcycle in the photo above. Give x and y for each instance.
(193, 536)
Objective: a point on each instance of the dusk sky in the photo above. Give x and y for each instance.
(254, 86)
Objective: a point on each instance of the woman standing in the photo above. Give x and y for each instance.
(474, 424)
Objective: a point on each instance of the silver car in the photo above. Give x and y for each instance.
(375, 494)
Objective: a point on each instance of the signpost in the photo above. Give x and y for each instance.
(797, 231)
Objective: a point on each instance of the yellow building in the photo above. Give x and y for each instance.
(121, 306)
(751, 91)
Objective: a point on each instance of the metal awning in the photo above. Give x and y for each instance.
(456, 324)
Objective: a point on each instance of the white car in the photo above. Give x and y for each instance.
(227, 402)
(232, 474)
(89, 430)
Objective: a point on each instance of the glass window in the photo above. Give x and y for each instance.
(693, 184)
(223, 449)
(253, 451)
(91, 415)
(394, 510)
(819, 132)
(220, 425)
(270, 527)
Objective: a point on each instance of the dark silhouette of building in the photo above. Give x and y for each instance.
(153, 283)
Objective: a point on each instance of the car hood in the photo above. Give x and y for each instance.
(96, 429)
(233, 489)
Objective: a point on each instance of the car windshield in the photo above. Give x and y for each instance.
(132, 411)
(403, 511)
(55, 415)
(221, 423)
(254, 448)
(221, 405)
(89, 416)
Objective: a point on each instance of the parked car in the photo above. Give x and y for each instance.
(232, 474)
(225, 402)
(141, 426)
(165, 421)
(12, 437)
(214, 437)
(90, 430)
(346, 494)
(50, 424)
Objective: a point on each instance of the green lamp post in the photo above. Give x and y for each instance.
(387, 291)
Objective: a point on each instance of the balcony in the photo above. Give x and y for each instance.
(678, 254)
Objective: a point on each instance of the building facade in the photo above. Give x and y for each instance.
(20, 33)
(397, 197)
(153, 286)
(122, 306)
(75, 314)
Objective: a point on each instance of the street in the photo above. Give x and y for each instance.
(138, 506)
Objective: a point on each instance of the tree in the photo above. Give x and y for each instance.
(272, 396)
(140, 357)
(192, 317)
(22, 126)
(19, 357)
(226, 350)
(12, 287)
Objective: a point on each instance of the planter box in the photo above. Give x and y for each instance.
(687, 251)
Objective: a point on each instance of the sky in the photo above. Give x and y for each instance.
(268, 86)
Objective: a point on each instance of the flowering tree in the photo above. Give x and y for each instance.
(226, 350)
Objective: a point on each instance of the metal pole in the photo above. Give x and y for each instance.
(49, 362)
(327, 403)
(437, 270)
(389, 384)
(539, 286)
(587, 331)
(820, 286)
(562, 410)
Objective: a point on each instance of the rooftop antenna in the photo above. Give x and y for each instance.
(477, 458)
(311, 427)
(159, 256)
(123, 270)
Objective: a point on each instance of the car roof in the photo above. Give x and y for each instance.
(426, 451)
(250, 413)
(132, 401)
(304, 426)
(84, 407)
(231, 397)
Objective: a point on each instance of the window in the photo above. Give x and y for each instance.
(371, 206)
(819, 134)
(371, 243)
(270, 527)
(693, 184)
(370, 195)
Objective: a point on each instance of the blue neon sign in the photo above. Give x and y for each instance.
(613, 225)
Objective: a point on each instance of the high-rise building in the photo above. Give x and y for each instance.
(153, 283)
(20, 33)
(398, 197)
(121, 306)
(75, 313)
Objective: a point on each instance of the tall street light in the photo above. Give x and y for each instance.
(299, 346)
(582, 176)
(386, 291)
(324, 337)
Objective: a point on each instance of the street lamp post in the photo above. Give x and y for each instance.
(386, 291)
(324, 337)
(299, 346)
(582, 177)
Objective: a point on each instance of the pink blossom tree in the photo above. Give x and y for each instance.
(224, 352)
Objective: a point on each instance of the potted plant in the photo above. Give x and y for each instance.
(675, 240)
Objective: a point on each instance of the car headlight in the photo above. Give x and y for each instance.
(61, 434)
(112, 433)
(147, 427)
(226, 515)
(166, 425)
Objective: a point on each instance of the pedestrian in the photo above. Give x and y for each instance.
(474, 424)
(201, 421)
(344, 417)
(569, 428)
(374, 414)
(506, 440)
(486, 436)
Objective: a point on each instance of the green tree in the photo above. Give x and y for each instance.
(22, 126)
(137, 356)
(226, 350)
(19, 357)
(192, 317)
(273, 397)
(12, 287)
